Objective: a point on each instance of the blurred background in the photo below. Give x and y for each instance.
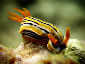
(62, 13)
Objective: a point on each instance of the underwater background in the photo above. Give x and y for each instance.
(62, 13)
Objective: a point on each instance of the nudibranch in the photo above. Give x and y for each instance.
(40, 32)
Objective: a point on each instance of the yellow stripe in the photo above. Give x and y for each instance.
(41, 24)
(49, 28)
(32, 28)
(44, 26)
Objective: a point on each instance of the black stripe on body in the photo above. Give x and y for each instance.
(42, 22)
(25, 19)
(52, 27)
(36, 25)
(28, 23)
(34, 22)
(43, 30)
(32, 34)
(46, 24)
(31, 20)
(58, 37)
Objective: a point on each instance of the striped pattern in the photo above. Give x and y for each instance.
(38, 31)
(41, 27)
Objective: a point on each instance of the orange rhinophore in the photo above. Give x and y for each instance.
(16, 17)
(27, 12)
(67, 36)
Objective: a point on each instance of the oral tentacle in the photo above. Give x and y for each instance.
(65, 41)
(54, 41)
